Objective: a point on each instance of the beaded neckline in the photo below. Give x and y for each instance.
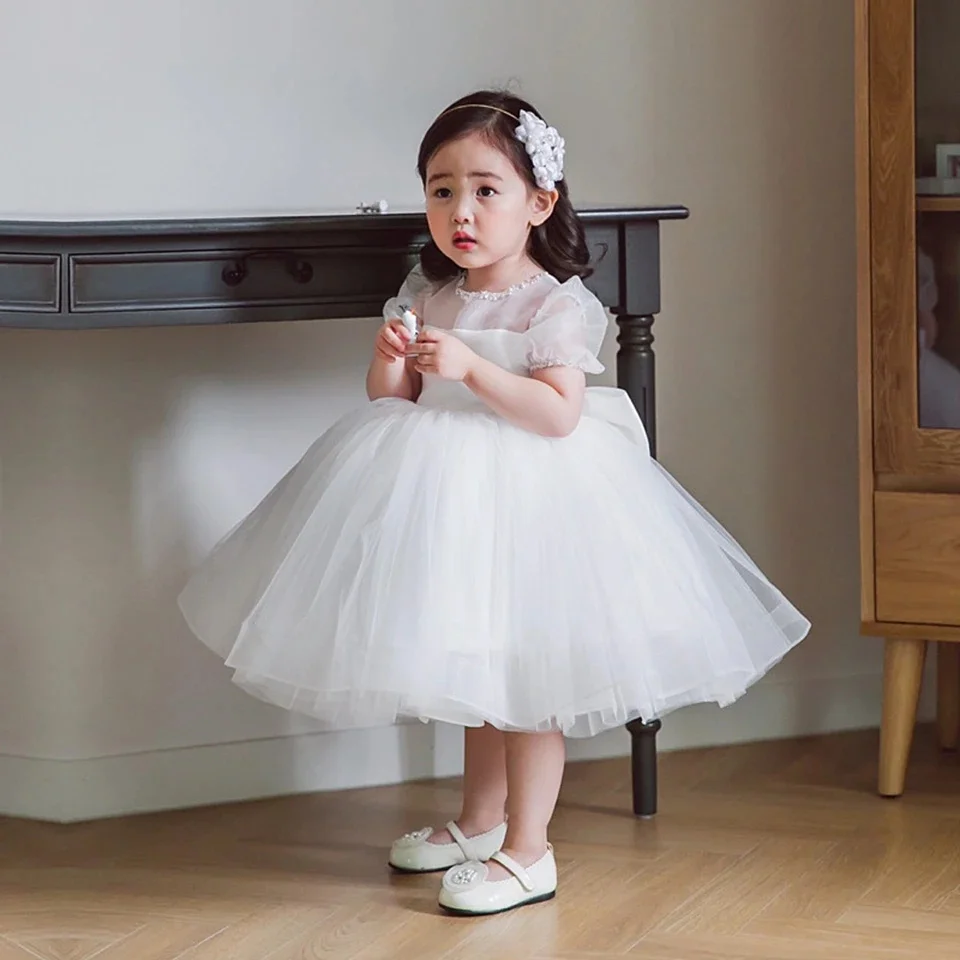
(494, 294)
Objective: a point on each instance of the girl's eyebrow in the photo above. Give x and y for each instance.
(475, 174)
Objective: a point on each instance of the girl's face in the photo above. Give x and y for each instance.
(479, 209)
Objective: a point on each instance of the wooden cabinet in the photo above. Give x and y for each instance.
(908, 229)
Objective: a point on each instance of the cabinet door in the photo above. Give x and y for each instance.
(914, 162)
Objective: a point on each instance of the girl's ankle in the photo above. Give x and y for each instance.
(524, 846)
(476, 824)
(526, 855)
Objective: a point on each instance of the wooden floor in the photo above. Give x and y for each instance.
(778, 851)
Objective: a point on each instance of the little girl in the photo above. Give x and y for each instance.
(489, 543)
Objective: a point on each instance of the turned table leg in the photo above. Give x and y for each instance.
(902, 676)
(638, 304)
(635, 374)
(636, 370)
(643, 764)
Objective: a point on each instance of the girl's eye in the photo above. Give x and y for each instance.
(442, 193)
(487, 192)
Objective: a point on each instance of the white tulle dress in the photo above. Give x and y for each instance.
(431, 560)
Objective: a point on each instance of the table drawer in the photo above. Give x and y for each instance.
(29, 283)
(211, 279)
(917, 557)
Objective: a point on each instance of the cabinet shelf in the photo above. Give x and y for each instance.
(929, 203)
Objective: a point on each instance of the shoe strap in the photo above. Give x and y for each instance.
(506, 861)
(462, 841)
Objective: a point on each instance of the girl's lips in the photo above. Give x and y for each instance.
(463, 242)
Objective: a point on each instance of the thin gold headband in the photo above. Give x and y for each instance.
(484, 106)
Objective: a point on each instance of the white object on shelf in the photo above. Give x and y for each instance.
(948, 160)
(938, 186)
(379, 206)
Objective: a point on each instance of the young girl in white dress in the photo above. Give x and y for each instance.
(488, 542)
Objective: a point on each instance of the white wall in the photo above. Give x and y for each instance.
(126, 454)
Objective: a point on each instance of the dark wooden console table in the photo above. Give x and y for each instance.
(139, 273)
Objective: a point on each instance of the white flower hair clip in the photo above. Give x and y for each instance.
(544, 147)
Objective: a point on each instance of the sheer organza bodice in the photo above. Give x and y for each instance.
(503, 347)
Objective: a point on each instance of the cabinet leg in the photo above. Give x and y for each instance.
(948, 695)
(643, 759)
(902, 675)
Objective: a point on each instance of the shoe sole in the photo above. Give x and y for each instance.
(411, 872)
(456, 912)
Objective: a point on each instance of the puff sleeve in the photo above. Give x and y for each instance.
(568, 330)
(413, 293)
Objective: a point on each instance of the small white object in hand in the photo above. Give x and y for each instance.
(409, 319)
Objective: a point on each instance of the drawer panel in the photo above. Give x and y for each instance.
(29, 283)
(917, 557)
(191, 280)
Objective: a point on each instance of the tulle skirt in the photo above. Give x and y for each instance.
(443, 564)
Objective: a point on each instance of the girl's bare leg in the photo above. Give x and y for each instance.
(484, 783)
(534, 766)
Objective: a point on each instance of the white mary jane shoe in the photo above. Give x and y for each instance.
(413, 853)
(466, 890)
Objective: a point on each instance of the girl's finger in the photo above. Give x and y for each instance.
(391, 337)
(400, 330)
(390, 345)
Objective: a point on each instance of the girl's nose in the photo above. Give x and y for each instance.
(462, 211)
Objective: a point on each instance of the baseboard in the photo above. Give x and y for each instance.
(65, 791)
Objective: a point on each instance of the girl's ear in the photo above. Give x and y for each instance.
(541, 206)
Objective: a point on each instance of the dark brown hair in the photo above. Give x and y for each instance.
(558, 244)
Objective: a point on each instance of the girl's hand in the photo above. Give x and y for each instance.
(443, 355)
(391, 342)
